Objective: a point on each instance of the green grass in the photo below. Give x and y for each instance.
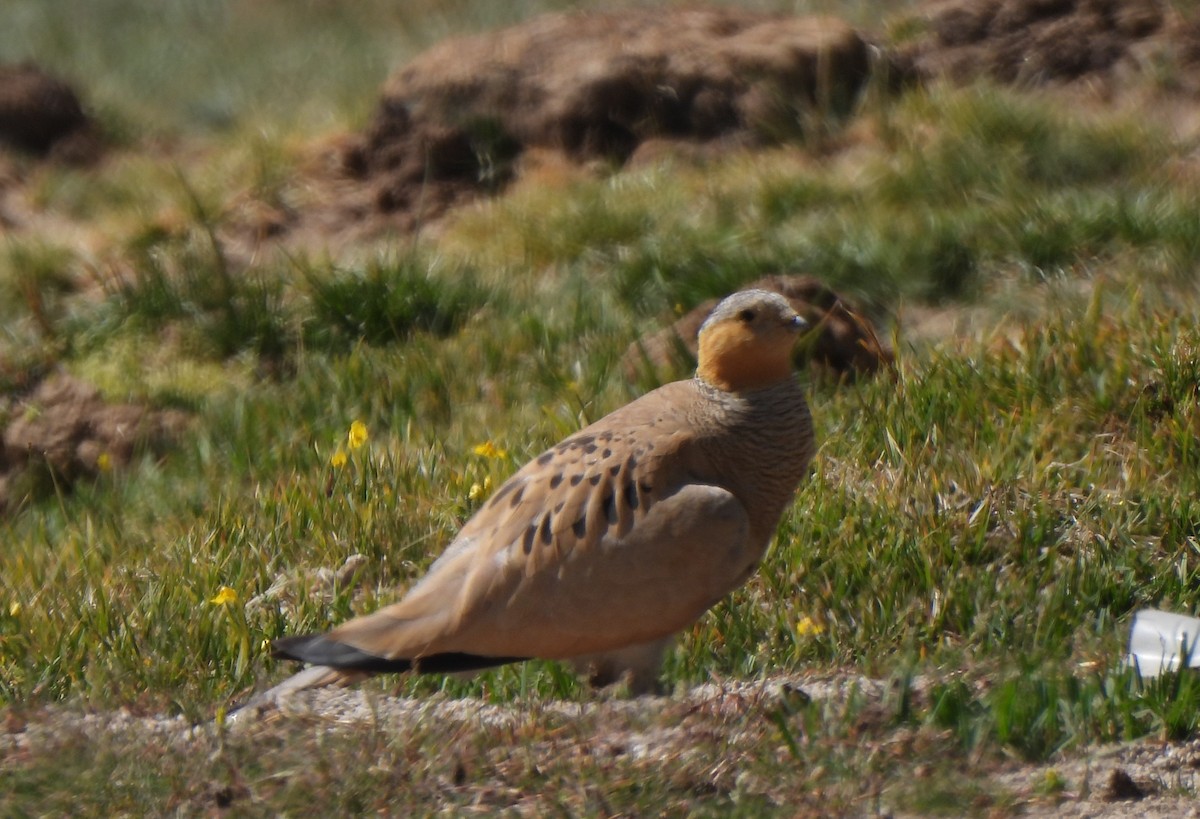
(985, 521)
(389, 301)
(1001, 503)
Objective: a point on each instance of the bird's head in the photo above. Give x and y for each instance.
(747, 341)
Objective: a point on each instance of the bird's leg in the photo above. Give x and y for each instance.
(635, 666)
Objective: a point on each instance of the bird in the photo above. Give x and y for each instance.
(601, 549)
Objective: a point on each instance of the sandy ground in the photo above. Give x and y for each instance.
(1146, 778)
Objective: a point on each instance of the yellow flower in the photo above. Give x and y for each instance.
(489, 450)
(358, 435)
(1052, 782)
(224, 597)
(808, 627)
(479, 490)
(104, 462)
(14, 609)
(338, 459)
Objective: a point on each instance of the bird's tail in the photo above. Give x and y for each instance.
(317, 676)
(324, 650)
(338, 664)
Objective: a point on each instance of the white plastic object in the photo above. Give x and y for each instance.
(1159, 639)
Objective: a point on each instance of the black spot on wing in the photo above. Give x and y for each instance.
(544, 531)
(507, 489)
(610, 507)
(576, 443)
(631, 495)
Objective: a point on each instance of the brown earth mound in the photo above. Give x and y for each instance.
(451, 123)
(844, 341)
(1033, 42)
(64, 431)
(42, 115)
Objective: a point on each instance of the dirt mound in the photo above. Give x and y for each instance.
(1033, 42)
(42, 115)
(64, 431)
(451, 123)
(845, 342)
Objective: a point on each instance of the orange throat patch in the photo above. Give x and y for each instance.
(735, 359)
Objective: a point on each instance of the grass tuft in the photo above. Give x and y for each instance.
(388, 300)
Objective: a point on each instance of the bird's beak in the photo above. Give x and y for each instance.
(797, 324)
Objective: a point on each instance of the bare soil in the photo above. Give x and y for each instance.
(60, 431)
(595, 86)
(1035, 42)
(43, 115)
(483, 754)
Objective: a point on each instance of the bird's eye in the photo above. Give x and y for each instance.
(746, 315)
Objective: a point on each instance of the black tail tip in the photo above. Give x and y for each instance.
(319, 649)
